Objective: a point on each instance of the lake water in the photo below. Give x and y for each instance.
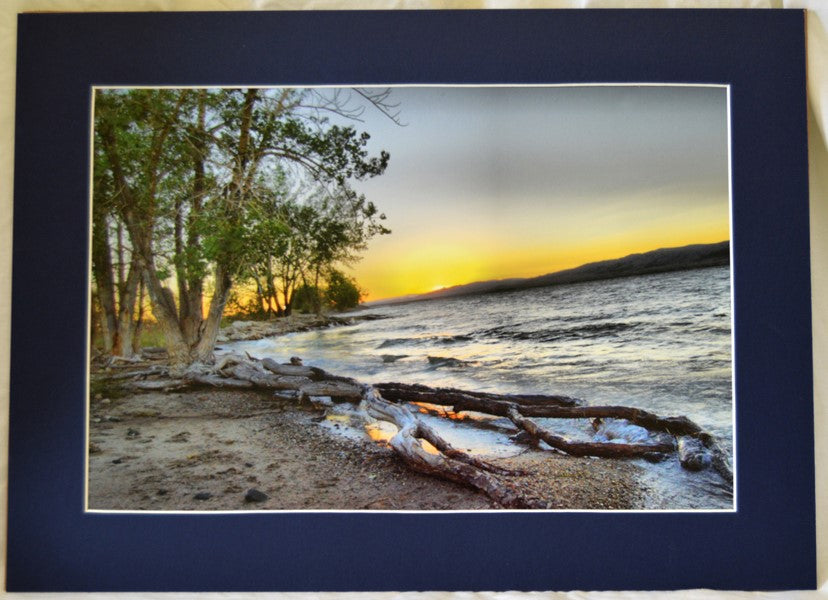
(658, 342)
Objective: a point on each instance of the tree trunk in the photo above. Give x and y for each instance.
(203, 351)
(126, 310)
(317, 295)
(139, 320)
(138, 217)
(119, 239)
(163, 309)
(104, 284)
(180, 263)
(193, 319)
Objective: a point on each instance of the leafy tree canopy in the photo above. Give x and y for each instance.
(229, 184)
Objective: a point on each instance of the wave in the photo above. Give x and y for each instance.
(447, 361)
(595, 330)
(621, 431)
(425, 340)
(395, 342)
(717, 330)
(706, 365)
(389, 358)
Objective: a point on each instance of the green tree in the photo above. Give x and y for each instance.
(306, 298)
(189, 173)
(307, 233)
(342, 291)
(117, 263)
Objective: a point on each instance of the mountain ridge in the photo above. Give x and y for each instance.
(661, 260)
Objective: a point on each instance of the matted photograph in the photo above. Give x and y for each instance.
(468, 300)
(411, 298)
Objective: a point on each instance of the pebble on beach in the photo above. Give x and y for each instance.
(254, 495)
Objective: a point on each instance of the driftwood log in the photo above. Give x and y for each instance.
(448, 463)
(518, 408)
(391, 402)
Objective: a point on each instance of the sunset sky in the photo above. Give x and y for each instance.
(495, 182)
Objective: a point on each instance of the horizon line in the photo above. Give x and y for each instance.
(414, 295)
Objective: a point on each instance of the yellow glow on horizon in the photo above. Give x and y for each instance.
(396, 267)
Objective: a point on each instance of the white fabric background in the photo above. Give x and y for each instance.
(818, 152)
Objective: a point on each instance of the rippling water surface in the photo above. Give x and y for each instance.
(659, 342)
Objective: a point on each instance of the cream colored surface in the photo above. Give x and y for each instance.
(818, 96)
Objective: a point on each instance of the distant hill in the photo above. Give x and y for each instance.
(695, 256)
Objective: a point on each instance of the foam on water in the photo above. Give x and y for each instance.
(658, 342)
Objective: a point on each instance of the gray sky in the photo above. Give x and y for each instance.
(556, 175)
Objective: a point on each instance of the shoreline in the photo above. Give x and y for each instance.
(250, 330)
(205, 450)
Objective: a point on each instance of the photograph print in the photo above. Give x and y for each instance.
(413, 298)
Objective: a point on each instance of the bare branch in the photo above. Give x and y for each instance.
(380, 99)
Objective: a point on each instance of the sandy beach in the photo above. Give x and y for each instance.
(205, 450)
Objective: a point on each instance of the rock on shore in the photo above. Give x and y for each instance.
(239, 331)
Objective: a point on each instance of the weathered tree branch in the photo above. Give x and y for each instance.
(583, 448)
(404, 392)
(444, 465)
(533, 406)
(696, 448)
